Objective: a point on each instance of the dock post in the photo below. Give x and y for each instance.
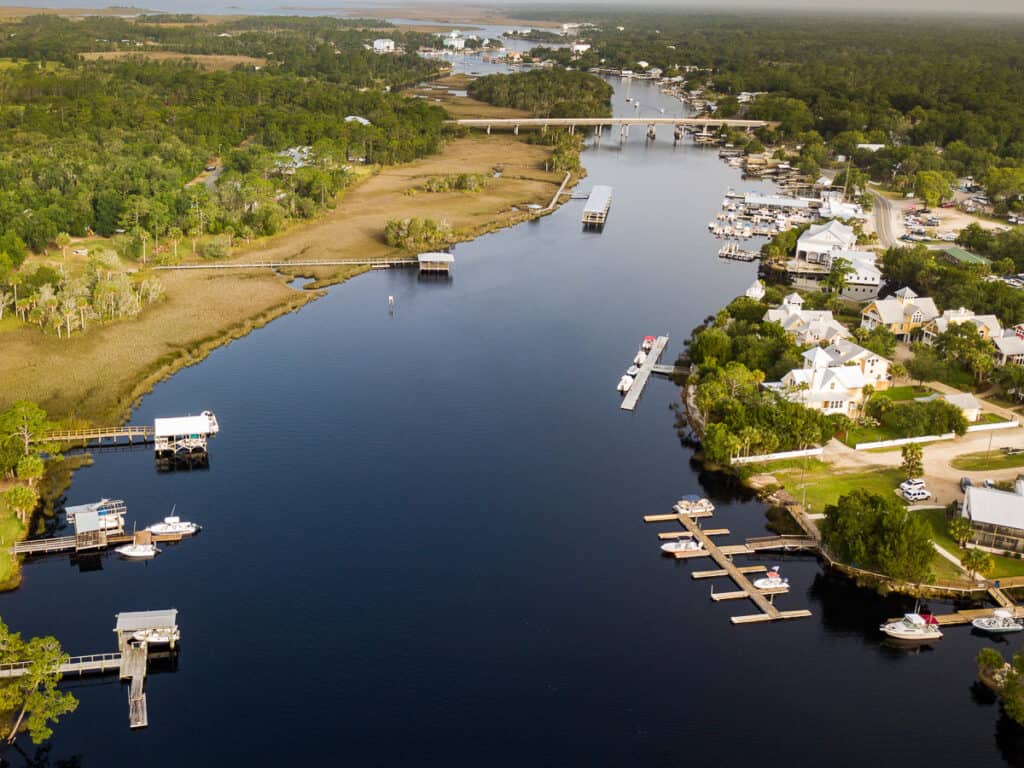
(515, 130)
(488, 130)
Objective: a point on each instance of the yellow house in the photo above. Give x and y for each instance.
(902, 313)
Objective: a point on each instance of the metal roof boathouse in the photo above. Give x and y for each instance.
(183, 436)
(595, 212)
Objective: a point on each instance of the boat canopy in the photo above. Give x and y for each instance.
(914, 619)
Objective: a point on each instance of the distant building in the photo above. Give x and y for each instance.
(962, 257)
(578, 49)
(383, 45)
(903, 313)
(996, 517)
(820, 240)
(455, 43)
(871, 147)
(806, 326)
(755, 291)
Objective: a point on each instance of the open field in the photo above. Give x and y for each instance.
(9, 12)
(99, 374)
(211, 62)
(461, 106)
(450, 14)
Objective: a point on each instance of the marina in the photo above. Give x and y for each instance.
(636, 388)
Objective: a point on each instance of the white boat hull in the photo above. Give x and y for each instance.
(899, 632)
(170, 529)
(137, 551)
(771, 584)
(997, 626)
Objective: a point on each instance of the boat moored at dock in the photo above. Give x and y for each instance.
(173, 525)
(1001, 622)
(624, 385)
(913, 628)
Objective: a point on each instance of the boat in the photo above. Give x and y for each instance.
(914, 628)
(772, 581)
(156, 636)
(138, 551)
(681, 545)
(632, 370)
(624, 384)
(173, 525)
(640, 358)
(647, 344)
(1001, 622)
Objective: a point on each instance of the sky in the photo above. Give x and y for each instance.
(902, 7)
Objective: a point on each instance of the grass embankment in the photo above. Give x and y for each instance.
(100, 374)
(824, 486)
(985, 461)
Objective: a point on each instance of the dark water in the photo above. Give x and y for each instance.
(423, 539)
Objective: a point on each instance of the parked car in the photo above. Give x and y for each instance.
(965, 483)
(989, 483)
(917, 494)
(911, 484)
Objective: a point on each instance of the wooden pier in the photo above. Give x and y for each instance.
(687, 516)
(640, 381)
(130, 435)
(130, 663)
(372, 263)
(62, 544)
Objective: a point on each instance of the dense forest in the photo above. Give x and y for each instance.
(547, 93)
(912, 84)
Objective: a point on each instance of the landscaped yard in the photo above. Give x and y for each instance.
(987, 461)
(908, 392)
(868, 435)
(1004, 566)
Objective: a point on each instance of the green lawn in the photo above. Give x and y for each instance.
(824, 486)
(908, 392)
(868, 435)
(991, 418)
(987, 461)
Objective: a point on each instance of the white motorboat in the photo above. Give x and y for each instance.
(1001, 622)
(681, 545)
(173, 525)
(648, 342)
(772, 581)
(913, 627)
(156, 636)
(632, 370)
(138, 551)
(640, 358)
(624, 384)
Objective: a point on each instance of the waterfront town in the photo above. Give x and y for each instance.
(351, 366)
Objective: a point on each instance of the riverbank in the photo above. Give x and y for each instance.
(99, 375)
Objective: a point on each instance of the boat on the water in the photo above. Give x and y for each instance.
(156, 636)
(772, 581)
(624, 384)
(138, 551)
(913, 628)
(640, 358)
(173, 525)
(1001, 622)
(681, 545)
(632, 370)
(647, 343)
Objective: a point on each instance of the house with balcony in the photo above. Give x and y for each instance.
(996, 517)
(806, 326)
(987, 325)
(903, 313)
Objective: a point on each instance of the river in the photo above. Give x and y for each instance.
(423, 538)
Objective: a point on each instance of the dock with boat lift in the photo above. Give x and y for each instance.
(687, 512)
(595, 211)
(640, 381)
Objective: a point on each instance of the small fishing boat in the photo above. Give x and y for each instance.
(138, 551)
(624, 384)
(681, 545)
(772, 581)
(647, 343)
(156, 636)
(173, 525)
(632, 370)
(913, 628)
(1001, 622)
(640, 358)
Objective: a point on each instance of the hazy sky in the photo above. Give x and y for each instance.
(1015, 7)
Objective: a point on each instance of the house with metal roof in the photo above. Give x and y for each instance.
(962, 257)
(1009, 349)
(807, 326)
(988, 325)
(819, 240)
(902, 313)
(996, 517)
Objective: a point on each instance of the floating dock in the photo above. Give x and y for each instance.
(640, 381)
(687, 512)
(595, 211)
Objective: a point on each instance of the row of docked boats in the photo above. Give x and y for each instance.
(626, 382)
(143, 547)
(920, 628)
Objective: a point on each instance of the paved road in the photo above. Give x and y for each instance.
(887, 222)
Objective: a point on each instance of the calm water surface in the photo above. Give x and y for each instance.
(423, 539)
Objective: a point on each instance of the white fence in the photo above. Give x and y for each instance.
(994, 425)
(903, 441)
(778, 456)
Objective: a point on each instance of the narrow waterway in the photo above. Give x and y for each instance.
(423, 538)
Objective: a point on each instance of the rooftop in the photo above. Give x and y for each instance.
(963, 256)
(133, 621)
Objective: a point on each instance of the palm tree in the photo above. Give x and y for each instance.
(960, 530)
(6, 300)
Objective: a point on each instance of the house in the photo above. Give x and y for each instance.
(845, 352)
(578, 49)
(866, 279)
(968, 405)
(988, 325)
(961, 257)
(836, 389)
(806, 326)
(383, 45)
(996, 517)
(455, 43)
(755, 291)
(871, 147)
(902, 313)
(1009, 349)
(820, 240)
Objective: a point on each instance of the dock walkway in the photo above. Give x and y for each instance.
(67, 543)
(633, 395)
(137, 435)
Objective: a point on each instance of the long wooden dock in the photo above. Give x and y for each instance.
(130, 435)
(372, 263)
(722, 555)
(67, 543)
(640, 381)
